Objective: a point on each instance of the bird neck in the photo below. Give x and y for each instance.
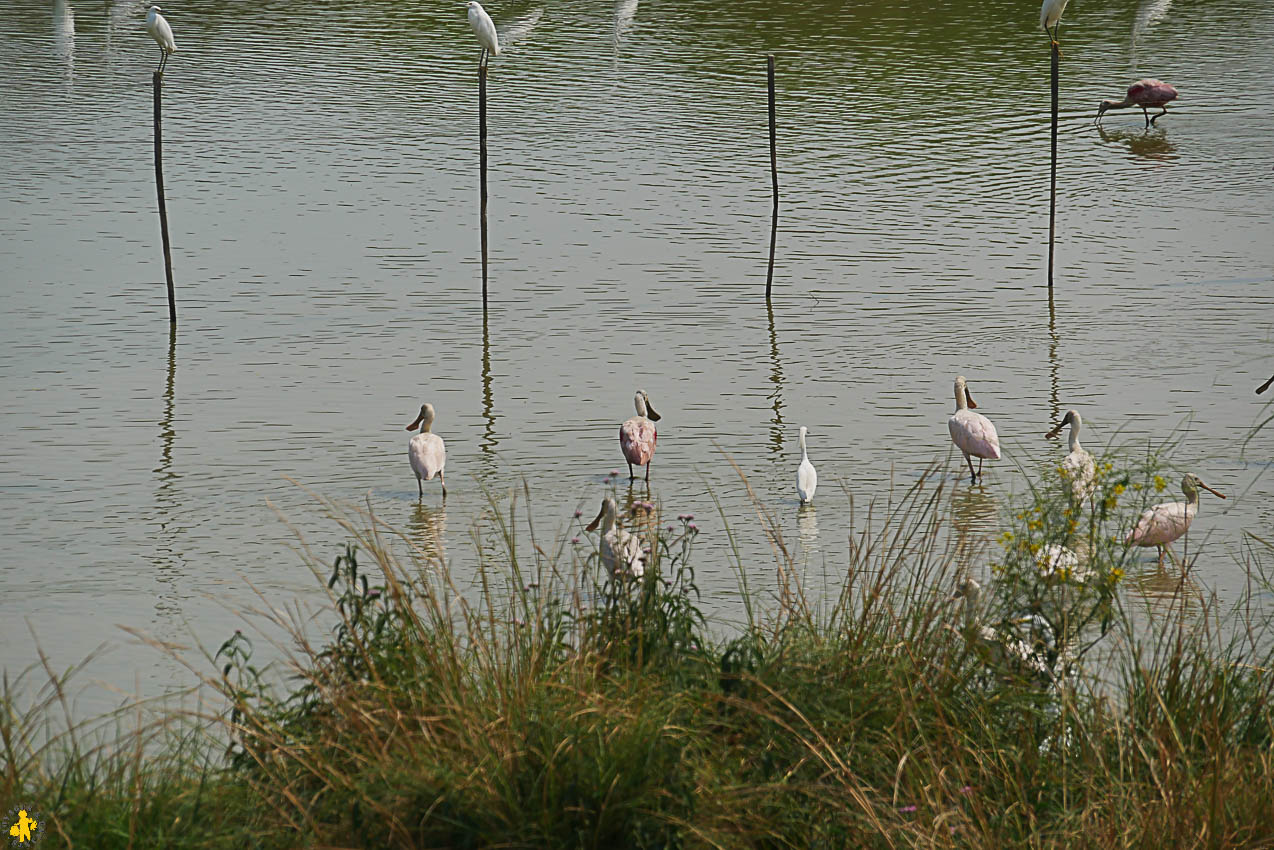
(1118, 104)
(962, 399)
(425, 426)
(804, 453)
(1074, 438)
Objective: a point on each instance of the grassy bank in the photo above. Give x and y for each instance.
(553, 706)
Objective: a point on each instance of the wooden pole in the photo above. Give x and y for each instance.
(1052, 188)
(482, 156)
(774, 177)
(158, 84)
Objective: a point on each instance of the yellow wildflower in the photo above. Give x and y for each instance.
(1160, 483)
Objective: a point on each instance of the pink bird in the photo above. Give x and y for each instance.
(637, 435)
(1162, 524)
(973, 433)
(1153, 94)
(426, 451)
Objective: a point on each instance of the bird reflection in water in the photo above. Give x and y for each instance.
(974, 515)
(428, 531)
(64, 36)
(1147, 144)
(1164, 591)
(807, 534)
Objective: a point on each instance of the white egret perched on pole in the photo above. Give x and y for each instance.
(484, 29)
(157, 26)
(1050, 17)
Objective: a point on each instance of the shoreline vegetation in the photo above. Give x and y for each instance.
(547, 704)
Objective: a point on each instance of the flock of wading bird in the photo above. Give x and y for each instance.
(973, 434)
(623, 552)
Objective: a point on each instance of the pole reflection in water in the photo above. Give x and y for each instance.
(1149, 143)
(428, 527)
(167, 558)
(489, 441)
(776, 394)
(1053, 339)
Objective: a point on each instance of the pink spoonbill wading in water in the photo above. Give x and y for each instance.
(426, 451)
(637, 435)
(1161, 524)
(973, 433)
(1148, 94)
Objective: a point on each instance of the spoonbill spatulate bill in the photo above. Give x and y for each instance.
(972, 433)
(1265, 386)
(637, 435)
(1161, 524)
(484, 28)
(621, 551)
(1148, 94)
(806, 477)
(426, 451)
(157, 26)
(1078, 467)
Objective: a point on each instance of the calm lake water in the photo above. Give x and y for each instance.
(321, 169)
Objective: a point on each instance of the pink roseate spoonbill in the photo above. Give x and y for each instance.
(1161, 524)
(621, 551)
(973, 433)
(157, 26)
(637, 435)
(426, 451)
(806, 477)
(1265, 386)
(1148, 94)
(1078, 467)
(1051, 18)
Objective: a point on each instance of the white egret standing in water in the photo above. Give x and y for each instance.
(159, 30)
(806, 477)
(484, 29)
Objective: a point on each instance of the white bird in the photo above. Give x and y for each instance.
(484, 29)
(621, 551)
(1161, 524)
(1078, 467)
(159, 30)
(1056, 561)
(806, 477)
(427, 452)
(973, 433)
(1051, 17)
(1036, 652)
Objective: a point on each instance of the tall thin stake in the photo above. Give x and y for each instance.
(158, 84)
(774, 177)
(1052, 187)
(482, 155)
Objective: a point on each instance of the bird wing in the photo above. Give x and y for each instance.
(806, 480)
(428, 455)
(637, 438)
(1080, 469)
(974, 433)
